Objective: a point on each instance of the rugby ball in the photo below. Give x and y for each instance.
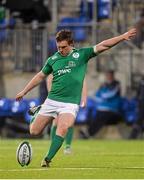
(24, 153)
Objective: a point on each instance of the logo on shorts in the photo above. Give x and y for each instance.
(75, 55)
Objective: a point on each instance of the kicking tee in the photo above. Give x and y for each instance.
(68, 74)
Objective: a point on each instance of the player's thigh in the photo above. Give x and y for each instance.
(38, 125)
(65, 120)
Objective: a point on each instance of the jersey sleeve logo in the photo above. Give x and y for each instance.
(75, 55)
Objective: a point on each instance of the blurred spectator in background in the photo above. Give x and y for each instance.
(140, 30)
(138, 126)
(108, 100)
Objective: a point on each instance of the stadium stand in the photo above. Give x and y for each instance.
(18, 56)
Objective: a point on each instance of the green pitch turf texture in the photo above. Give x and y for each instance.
(91, 159)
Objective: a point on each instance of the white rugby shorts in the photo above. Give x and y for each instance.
(54, 108)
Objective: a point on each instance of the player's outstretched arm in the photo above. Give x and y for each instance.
(109, 43)
(33, 83)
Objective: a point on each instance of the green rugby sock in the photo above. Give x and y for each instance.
(54, 147)
(53, 132)
(69, 137)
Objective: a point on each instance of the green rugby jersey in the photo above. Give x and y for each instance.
(68, 74)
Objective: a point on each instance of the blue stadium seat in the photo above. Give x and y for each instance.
(89, 112)
(124, 104)
(18, 108)
(78, 31)
(79, 34)
(66, 20)
(131, 117)
(82, 116)
(86, 9)
(52, 44)
(103, 9)
(91, 102)
(27, 117)
(3, 31)
(129, 109)
(5, 107)
(133, 104)
(92, 107)
(101, 2)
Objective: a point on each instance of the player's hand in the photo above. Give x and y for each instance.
(130, 34)
(83, 104)
(20, 96)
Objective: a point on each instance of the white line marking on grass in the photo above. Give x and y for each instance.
(70, 168)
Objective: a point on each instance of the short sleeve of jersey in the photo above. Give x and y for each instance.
(89, 52)
(47, 69)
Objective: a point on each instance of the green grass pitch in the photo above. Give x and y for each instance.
(91, 159)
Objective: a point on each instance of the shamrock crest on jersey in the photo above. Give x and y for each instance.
(75, 55)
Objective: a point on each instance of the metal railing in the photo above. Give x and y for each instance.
(25, 49)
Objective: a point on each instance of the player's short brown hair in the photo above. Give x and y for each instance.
(65, 35)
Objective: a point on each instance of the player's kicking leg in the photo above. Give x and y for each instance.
(38, 123)
(65, 120)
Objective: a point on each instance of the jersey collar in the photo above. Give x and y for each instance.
(68, 54)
